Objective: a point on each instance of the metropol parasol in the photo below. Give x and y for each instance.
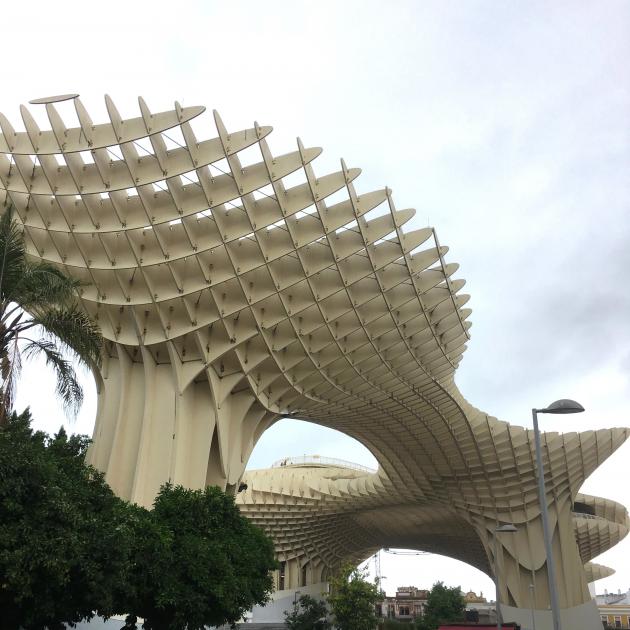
(235, 287)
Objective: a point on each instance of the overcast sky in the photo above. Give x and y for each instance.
(505, 124)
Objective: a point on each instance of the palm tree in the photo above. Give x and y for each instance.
(39, 315)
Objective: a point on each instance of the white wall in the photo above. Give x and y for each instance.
(282, 601)
(584, 617)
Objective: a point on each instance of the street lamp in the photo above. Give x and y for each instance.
(531, 605)
(508, 528)
(558, 407)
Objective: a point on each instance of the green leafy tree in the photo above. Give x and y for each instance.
(39, 316)
(308, 614)
(63, 542)
(353, 600)
(69, 548)
(392, 624)
(444, 604)
(197, 562)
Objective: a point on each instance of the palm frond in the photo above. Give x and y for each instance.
(38, 294)
(12, 253)
(74, 329)
(68, 387)
(31, 284)
(10, 368)
(42, 284)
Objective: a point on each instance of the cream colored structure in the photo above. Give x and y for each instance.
(235, 287)
(323, 513)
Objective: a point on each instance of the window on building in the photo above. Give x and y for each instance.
(617, 621)
(304, 575)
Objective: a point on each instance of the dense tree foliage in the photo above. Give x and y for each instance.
(69, 548)
(393, 624)
(444, 604)
(308, 614)
(39, 316)
(198, 562)
(62, 550)
(353, 600)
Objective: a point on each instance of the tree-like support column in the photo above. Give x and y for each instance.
(581, 529)
(520, 566)
(149, 430)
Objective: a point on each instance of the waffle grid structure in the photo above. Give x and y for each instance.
(233, 293)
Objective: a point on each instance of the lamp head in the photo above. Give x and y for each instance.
(563, 406)
(508, 528)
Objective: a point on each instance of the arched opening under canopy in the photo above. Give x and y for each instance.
(401, 568)
(293, 438)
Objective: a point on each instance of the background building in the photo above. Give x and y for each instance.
(410, 602)
(614, 609)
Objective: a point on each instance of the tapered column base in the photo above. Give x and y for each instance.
(583, 617)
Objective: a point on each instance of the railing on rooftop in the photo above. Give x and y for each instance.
(317, 460)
